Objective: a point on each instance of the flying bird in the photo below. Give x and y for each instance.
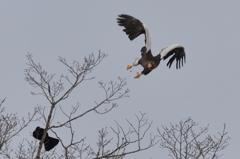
(133, 28)
(49, 142)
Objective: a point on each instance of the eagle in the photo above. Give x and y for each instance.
(133, 28)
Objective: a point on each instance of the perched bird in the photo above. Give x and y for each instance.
(133, 28)
(49, 142)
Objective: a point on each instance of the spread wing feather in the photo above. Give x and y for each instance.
(133, 28)
(177, 52)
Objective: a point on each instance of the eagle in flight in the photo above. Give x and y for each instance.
(133, 28)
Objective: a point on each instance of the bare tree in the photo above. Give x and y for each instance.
(113, 142)
(55, 91)
(183, 142)
(11, 126)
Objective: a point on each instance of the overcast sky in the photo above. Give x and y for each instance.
(206, 89)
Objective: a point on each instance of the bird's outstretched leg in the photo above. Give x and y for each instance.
(138, 75)
(135, 63)
(149, 65)
(129, 67)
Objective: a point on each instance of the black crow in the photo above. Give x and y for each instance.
(49, 142)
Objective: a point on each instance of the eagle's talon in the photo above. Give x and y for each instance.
(129, 67)
(138, 75)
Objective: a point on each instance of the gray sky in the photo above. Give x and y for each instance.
(207, 87)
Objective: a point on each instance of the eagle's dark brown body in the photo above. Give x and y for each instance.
(148, 58)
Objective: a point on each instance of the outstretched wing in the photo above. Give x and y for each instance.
(178, 53)
(50, 143)
(133, 28)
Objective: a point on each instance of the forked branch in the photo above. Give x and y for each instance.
(183, 142)
(134, 135)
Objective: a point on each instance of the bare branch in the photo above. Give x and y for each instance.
(111, 92)
(27, 150)
(11, 126)
(124, 140)
(183, 142)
